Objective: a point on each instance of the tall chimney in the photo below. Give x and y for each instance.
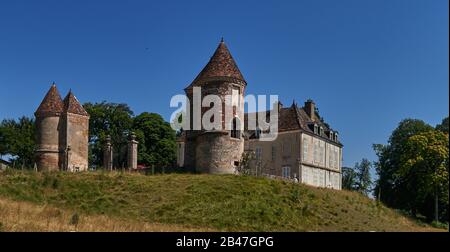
(310, 109)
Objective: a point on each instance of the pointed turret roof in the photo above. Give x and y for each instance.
(52, 102)
(220, 66)
(72, 105)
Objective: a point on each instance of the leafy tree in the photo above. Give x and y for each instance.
(401, 168)
(363, 179)
(113, 119)
(425, 162)
(156, 138)
(349, 179)
(443, 126)
(392, 189)
(17, 139)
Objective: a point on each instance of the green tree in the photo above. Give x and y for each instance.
(349, 179)
(17, 139)
(391, 189)
(363, 178)
(404, 169)
(157, 145)
(425, 162)
(443, 126)
(113, 119)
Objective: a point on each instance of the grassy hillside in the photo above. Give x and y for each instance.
(217, 202)
(20, 216)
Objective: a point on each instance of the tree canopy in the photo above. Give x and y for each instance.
(156, 140)
(413, 168)
(17, 140)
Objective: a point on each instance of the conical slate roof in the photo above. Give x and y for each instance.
(220, 66)
(72, 105)
(52, 102)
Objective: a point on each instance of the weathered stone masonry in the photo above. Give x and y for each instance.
(62, 133)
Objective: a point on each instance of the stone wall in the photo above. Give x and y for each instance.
(214, 151)
(282, 152)
(48, 149)
(218, 153)
(77, 135)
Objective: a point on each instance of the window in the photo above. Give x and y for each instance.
(336, 137)
(316, 128)
(305, 149)
(258, 153)
(321, 130)
(235, 132)
(321, 152)
(286, 172)
(258, 133)
(273, 153)
(336, 159)
(316, 152)
(331, 163)
(331, 135)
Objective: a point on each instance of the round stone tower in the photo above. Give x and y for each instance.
(217, 150)
(48, 125)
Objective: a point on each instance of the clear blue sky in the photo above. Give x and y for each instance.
(367, 64)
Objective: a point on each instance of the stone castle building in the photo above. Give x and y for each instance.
(306, 148)
(62, 133)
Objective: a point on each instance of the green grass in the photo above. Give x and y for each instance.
(220, 202)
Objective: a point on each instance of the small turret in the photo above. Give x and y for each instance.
(75, 134)
(48, 115)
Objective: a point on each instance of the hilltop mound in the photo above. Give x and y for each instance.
(211, 202)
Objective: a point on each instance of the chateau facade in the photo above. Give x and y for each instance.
(306, 148)
(62, 133)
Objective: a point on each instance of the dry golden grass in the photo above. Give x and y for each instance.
(16, 216)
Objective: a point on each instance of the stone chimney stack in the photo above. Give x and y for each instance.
(310, 109)
(108, 155)
(132, 152)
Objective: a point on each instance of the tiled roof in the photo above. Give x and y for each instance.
(220, 66)
(290, 118)
(52, 102)
(72, 105)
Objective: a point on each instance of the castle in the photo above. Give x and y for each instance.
(306, 148)
(62, 133)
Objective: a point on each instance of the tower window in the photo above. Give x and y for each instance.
(235, 132)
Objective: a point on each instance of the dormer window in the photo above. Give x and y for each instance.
(321, 130)
(336, 137)
(316, 129)
(331, 135)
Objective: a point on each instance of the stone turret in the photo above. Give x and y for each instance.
(217, 150)
(62, 133)
(48, 126)
(76, 134)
